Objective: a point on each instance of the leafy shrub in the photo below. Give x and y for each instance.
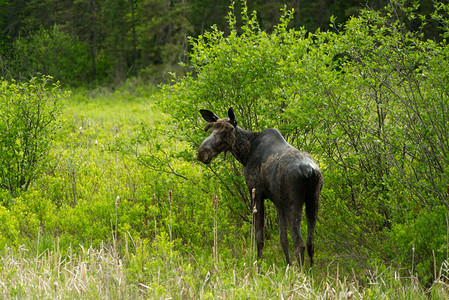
(28, 112)
(421, 243)
(9, 228)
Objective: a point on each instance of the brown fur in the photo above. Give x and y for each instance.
(277, 171)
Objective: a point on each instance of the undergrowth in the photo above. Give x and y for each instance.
(108, 221)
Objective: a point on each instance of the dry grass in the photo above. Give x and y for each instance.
(88, 274)
(103, 274)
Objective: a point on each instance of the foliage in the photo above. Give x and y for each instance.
(423, 242)
(29, 113)
(9, 229)
(52, 52)
(115, 40)
(162, 28)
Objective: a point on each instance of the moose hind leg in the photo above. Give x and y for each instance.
(283, 233)
(311, 215)
(295, 231)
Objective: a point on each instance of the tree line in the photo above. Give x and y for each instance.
(90, 42)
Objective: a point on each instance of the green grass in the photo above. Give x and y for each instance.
(99, 225)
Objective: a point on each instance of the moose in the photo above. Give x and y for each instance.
(275, 170)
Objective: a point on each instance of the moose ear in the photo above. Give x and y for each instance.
(231, 116)
(209, 116)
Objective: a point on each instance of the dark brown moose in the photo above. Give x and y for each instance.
(277, 171)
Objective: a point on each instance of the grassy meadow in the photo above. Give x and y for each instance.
(120, 213)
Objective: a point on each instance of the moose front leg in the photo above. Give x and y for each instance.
(259, 216)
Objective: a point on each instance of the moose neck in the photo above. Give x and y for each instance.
(242, 146)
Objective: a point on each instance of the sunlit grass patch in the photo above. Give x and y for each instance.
(89, 273)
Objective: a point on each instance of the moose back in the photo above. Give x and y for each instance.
(277, 171)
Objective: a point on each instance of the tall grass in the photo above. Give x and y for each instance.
(100, 273)
(85, 273)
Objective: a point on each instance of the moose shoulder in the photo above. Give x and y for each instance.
(277, 171)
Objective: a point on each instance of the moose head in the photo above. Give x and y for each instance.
(222, 137)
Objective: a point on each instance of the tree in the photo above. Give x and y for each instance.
(52, 52)
(162, 31)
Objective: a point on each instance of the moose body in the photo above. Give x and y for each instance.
(275, 170)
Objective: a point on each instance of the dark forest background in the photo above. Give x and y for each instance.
(92, 42)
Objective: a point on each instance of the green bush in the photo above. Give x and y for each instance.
(421, 243)
(29, 112)
(9, 228)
